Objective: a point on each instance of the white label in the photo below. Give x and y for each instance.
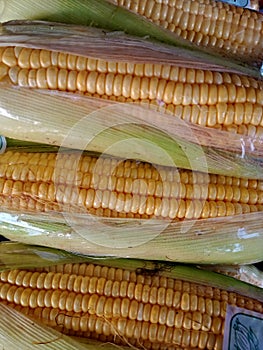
(243, 329)
(240, 3)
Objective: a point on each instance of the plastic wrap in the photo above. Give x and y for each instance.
(251, 4)
(166, 280)
(53, 214)
(15, 255)
(229, 240)
(219, 112)
(97, 125)
(243, 329)
(247, 273)
(75, 123)
(101, 14)
(231, 43)
(129, 132)
(120, 46)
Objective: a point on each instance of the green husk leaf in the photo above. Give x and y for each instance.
(188, 273)
(100, 13)
(229, 240)
(21, 332)
(127, 131)
(27, 146)
(16, 255)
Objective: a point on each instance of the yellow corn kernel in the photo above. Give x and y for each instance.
(206, 23)
(106, 309)
(101, 186)
(212, 99)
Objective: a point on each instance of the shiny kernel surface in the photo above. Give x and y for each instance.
(206, 23)
(160, 311)
(218, 100)
(106, 187)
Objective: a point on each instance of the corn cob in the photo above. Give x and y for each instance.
(207, 23)
(219, 100)
(110, 187)
(122, 306)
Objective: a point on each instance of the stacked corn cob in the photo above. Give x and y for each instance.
(125, 307)
(124, 302)
(206, 23)
(108, 187)
(219, 100)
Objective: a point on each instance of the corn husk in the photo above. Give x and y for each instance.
(32, 335)
(257, 55)
(222, 240)
(167, 269)
(15, 255)
(73, 112)
(146, 42)
(102, 14)
(247, 273)
(126, 131)
(229, 240)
